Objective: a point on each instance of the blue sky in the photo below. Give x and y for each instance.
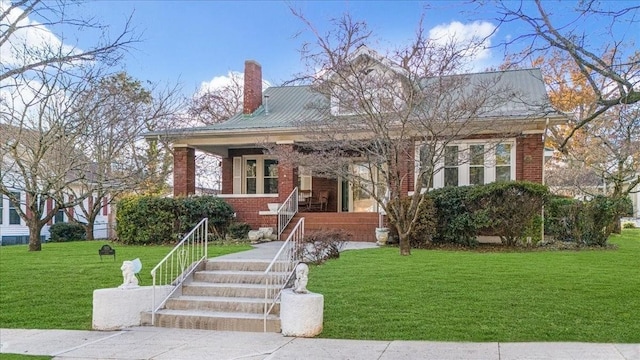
(194, 41)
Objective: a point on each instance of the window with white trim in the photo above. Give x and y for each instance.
(473, 162)
(503, 162)
(14, 217)
(255, 174)
(451, 163)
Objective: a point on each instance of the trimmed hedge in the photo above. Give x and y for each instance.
(510, 210)
(456, 221)
(157, 220)
(584, 222)
(63, 232)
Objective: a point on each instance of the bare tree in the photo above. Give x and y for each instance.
(23, 21)
(116, 110)
(39, 144)
(379, 111)
(593, 29)
(211, 105)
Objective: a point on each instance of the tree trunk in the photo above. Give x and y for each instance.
(34, 237)
(88, 228)
(405, 247)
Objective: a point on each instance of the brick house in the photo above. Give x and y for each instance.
(252, 178)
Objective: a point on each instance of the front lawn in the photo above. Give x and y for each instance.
(53, 288)
(445, 295)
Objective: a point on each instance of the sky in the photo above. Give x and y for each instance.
(196, 42)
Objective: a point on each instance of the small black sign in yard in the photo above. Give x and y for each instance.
(107, 250)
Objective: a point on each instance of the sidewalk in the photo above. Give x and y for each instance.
(176, 344)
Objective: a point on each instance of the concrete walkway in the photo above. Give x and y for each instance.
(176, 344)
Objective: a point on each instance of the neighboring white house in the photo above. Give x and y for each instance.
(13, 229)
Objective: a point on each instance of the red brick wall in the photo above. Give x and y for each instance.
(252, 86)
(287, 175)
(529, 153)
(184, 171)
(247, 209)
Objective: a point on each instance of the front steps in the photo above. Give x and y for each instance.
(225, 295)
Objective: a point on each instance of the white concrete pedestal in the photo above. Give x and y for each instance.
(301, 314)
(120, 308)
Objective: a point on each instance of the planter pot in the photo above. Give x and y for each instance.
(273, 207)
(382, 235)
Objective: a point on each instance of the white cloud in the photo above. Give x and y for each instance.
(233, 79)
(30, 43)
(473, 38)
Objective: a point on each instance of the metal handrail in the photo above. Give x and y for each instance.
(287, 211)
(282, 267)
(181, 261)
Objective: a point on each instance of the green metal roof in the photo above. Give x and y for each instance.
(286, 106)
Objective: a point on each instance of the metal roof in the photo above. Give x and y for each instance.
(286, 106)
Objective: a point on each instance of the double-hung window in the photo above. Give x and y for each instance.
(472, 162)
(255, 174)
(14, 217)
(451, 163)
(503, 162)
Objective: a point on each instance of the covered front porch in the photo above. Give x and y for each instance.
(255, 184)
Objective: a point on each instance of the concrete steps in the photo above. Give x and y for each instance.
(225, 295)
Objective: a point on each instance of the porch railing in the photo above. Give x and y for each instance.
(287, 211)
(282, 267)
(181, 261)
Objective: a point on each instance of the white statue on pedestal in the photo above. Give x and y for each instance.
(129, 271)
(302, 272)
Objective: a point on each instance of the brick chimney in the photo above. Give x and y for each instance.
(252, 86)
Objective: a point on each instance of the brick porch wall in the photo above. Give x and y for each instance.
(184, 171)
(529, 153)
(247, 208)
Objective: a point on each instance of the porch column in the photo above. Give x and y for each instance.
(287, 173)
(529, 153)
(184, 171)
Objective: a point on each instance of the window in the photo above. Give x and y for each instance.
(270, 176)
(503, 162)
(14, 217)
(426, 167)
(472, 162)
(451, 163)
(59, 217)
(476, 164)
(251, 176)
(255, 174)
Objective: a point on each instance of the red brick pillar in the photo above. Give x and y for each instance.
(529, 154)
(227, 175)
(184, 171)
(287, 174)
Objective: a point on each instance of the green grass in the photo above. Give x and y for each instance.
(588, 295)
(23, 357)
(53, 288)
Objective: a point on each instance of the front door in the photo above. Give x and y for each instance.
(356, 195)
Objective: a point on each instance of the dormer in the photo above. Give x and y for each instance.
(368, 83)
